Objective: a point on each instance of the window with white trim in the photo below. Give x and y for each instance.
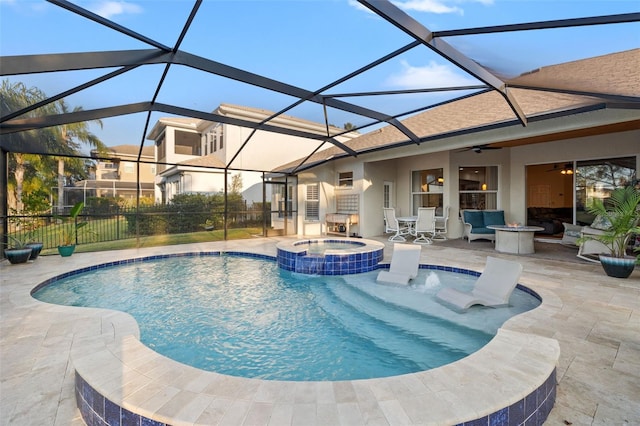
(312, 204)
(478, 187)
(427, 189)
(345, 180)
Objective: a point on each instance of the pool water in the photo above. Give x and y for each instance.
(246, 317)
(320, 246)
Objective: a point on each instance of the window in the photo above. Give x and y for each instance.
(221, 137)
(187, 143)
(345, 180)
(478, 187)
(386, 194)
(312, 207)
(427, 189)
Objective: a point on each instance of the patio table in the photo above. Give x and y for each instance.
(409, 222)
(515, 239)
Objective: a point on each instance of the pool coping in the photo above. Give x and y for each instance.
(512, 369)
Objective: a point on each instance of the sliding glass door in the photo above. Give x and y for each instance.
(597, 178)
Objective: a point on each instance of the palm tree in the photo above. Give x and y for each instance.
(70, 136)
(64, 139)
(14, 97)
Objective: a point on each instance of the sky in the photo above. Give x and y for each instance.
(305, 43)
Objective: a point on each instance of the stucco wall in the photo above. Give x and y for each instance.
(379, 167)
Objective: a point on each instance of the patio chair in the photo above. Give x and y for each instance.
(393, 225)
(405, 262)
(589, 249)
(493, 287)
(425, 224)
(441, 225)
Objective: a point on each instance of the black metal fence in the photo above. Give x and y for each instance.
(117, 223)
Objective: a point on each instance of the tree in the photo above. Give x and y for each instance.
(70, 134)
(63, 140)
(349, 126)
(236, 184)
(15, 97)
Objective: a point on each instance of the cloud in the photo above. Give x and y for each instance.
(109, 9)
(428, 76)
(427, 6)
(354, 3)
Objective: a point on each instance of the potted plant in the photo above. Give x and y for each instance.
(17, 251)
(70, 229)
(26, 226)
(622, 213)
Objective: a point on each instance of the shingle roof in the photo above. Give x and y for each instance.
(618, 73)
(205, 161)
(147, 151)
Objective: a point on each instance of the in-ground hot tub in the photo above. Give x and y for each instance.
(330, 256)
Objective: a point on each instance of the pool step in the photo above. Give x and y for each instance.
(427, 327)
(397, 341)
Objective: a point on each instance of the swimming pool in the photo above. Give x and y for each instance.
(275, 324)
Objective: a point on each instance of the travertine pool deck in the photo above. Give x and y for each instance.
(594, 318)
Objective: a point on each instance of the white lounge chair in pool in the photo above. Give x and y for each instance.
(493, 287)
(405, 262)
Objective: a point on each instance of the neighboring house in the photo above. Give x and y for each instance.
(193, 155)
(117, 176)
(574, 147)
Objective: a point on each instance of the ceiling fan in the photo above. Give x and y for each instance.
(479, 148)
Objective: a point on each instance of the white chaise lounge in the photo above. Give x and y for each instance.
(405, 262)
(493, 287)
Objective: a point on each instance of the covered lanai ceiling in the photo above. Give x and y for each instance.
(377, 65)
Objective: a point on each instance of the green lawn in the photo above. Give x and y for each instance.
(164, 240)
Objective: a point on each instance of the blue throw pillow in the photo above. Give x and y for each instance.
(493, 217)
(601, 222)
(473, 218)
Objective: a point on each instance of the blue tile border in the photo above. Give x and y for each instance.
(147, 259)
(97, 410)
(531, 410)
(330, 264)
(359, 256)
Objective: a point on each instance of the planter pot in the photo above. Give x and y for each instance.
(15, 256)
(36, 248)
(66, 251)
(618, 267)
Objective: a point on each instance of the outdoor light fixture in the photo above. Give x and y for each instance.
(440, 179)
(484, 186)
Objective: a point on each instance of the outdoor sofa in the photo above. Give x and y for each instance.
(475, 223)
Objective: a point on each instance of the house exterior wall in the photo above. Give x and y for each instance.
(370, 172)
(264, 150)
